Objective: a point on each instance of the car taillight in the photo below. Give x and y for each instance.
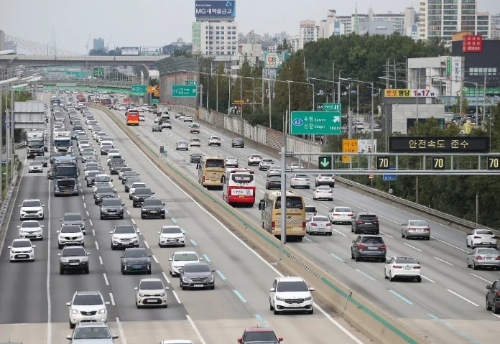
(477, 237)
(350, 214)
(295, 179)
(336, 214)
(307, 179)
(427, 229)
(498, 293)
(411, 229)
(383, 247)
(203, 178)
(479, 258)
(320, 177)
(397, 266)
(416, 267)
(328, 224)
(359, 221)
(273, 225)
(303, 224)
(330, 191)
(313, 224)
(361, 246)
(498, 258)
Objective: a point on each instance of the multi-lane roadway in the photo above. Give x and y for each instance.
(449, 304)
(34, 295)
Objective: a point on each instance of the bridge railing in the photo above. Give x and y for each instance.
(81, 58)
(87, 83)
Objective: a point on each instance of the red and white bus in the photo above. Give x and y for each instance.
(239, 186)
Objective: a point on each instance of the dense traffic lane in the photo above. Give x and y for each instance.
(240, 298)
(438, 296)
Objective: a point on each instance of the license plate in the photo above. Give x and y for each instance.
(172, 240)
(73, 263)
(295, 305)
(91, 318)
(153, 212)
(22, 256)
(198, 285)
(407, 268)
(35, 154)
(489, 258)
(367, 223)
(66, 191)
(137, 266)
(151, 301)
(420, 230)
(241, 196)
(373, 248)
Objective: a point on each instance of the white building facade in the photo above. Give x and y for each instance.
(215, 38)
(308, 32)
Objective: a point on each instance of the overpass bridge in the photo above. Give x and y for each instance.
(75, 60)
(85, 83)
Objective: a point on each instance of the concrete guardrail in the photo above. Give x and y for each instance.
(6, 204)
(374, 323)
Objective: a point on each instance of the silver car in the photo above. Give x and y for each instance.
(300, 180)
(181, 145)
(231, 161)
(416, 229)
(92, 332)
(151, 293)
(484, 258)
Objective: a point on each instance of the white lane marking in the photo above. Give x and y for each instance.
(390, 236)
(498, 316)
(105, 278)
(339, 232)
(413, 247)
(195, 329)
(444, 261)
(324, 206)
(447, 243)
(83, 197)
(484, 279)
(146, 244)
(133, 221)
(261, 191)
(85, 205)
(128, 212)
(49, 300)
(156, 260)
(176, 296)
(90, 221)
(123, 339)
(463, 298)
(165, 276)
(427, 278)
(111, 297)
(333, 321)
(100, 260)
(93, 232)
(88, 214)
(96, 245)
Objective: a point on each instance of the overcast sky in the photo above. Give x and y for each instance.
(159, 22)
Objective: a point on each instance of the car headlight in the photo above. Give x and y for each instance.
(74, 311)
(211, 279)
(30, 251)
(279, 298)
(85, 259)
(162, 294)
(185, 279)
(64, 260)
(141, 294)
(308, 298)
(102, 311)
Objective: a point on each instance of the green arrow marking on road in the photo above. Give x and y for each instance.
(325, 162)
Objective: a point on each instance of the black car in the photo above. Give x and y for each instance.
(131, 181)
(273, 183)
(114, 168)
(238, 142)
(111, 207)
(105, 149)
(259, 335)
(195, 158)
(104, 192)
(140, 195)
(152, 207)
(74, 219)
(135, 260)
(91, 177)
(368, 247)
(129, 174)
(365, 223)
(77, 126)
(197, 275)
(493, 297)
(73, 258)
(156, 128)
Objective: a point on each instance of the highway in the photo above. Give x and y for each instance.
(449, 304)
(34, 295)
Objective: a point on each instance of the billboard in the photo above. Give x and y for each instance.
(472, 44)
(275, 60)
(130, 51)
(150, 51)
(215, 9)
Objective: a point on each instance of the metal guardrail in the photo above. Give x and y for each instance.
(413, 205)
(6, 202)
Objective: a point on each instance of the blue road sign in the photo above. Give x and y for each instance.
(390, 177)
(4, 161)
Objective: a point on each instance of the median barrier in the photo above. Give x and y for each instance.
(377, 325)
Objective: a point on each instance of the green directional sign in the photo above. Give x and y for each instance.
(184, 91)
(155, 101)
(316, 123)
(332, 107)
(98, 72)
(191, 82)
(325, 163)
(139, 88)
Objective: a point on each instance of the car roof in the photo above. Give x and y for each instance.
(88, 293)
(135, 248)
(92, 324)
(370, 236)
(258, 329)
(21, 240)
(29, 221)
(150, 280)
(185, 252)
(31, 199)
(290, 279)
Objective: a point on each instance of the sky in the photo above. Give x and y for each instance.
(73, 24)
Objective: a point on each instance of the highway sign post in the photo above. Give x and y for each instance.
(390, 177)
(315, 123)
(191, 82)
(139, 88)
(349, 146)
(325, 162)
(184, 91)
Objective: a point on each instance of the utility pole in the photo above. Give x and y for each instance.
(201, 95)
(333, 82)
(338, 95)
(395, 75)
(216, 94)
(387, 74)
(357, 100)
(262, 90)
(1, 143)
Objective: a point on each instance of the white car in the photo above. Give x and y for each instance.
(104, 178)
(181, 258)
(188, 118)
(195, 143)
(300, 180)
(296, 166)
(142, 118)
(319, 224)
(341, 215)
(31, 209)
(171, 236)
(87, 306)
(151, 293)
(231, 161)
(83, 145)
(157, 120)
(181, 145)
(35, 167)
(177, 341)
(31, 229)
(290, 294)
(402, 267)
(112, 153)
(214, 141)
(106, 143)
(123, 236)
(273, 170)
(310, 211)
(254, 159)
(70, 235)
(22, 249)
(481, 238)
(131, 190)
(325, 179)
(323, 192)
(265, 164)
(92, 169)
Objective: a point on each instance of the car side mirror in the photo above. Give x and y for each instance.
(68, 303)
(110, 232)
(115, 336)
(138, 232)
(152, 193)
(387, 260)
(149, 255)
(123, 204)
(353, 241)
(121, 256)
(272, 290)
(136, 288)
(240, 340)
(311, 289)
(213, 270)
(43, 205)
(159, 232)
(169, 259)
(167, 288)
(88, 253)
(68, 337)
(33, 246)
(59, 254)
(163, 203)
(107, 302)
(488, 286)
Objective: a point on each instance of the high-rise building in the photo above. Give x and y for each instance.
(308, 32)
(495, 26)
(98, 44)
(2, 40)
(443, 18)
(9, 45)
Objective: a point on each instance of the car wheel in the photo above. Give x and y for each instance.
(496, 310)
(385, 274)
(419, 279)
(87, 271)
(102, 217)
(311, 311)
(390, 277)
(143, 217)
(357, 258)
(61, 271)
(121, 217)
(402, 234)
(71, 325)
(276, 312)
(59, 246)
(466, 243)
(123, 271)
(112, 247)
(474, 267)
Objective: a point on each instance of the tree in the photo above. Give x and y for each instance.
(223, 86)
(465, 104)
(243, 86)
(153, 82)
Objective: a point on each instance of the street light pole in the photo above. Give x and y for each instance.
(477, 106)
(289, 110)
(338, 96)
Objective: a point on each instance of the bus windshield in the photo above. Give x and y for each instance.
(292, 202)
(215, 163)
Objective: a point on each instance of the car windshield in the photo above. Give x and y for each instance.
(372, 240)
(124, 230)
(72, 217)
(92, 333)
(324, 188)
(136, 253)
(92, 166)
(92, 174)
(406, 260)
(485, 232)
(326, 175)
(113, 202)
(320, 219)
(214, 138)
(74, 252)
(31, 204)
(125, 169)
(138, 185)
(143, 191)
(88, 300)
(70, 229)
(21, 243)
(291, 203)
(90, 153)
(105, 190)
(153, 202)
(196, 268)
(264, 336)
(292, 286)
(35, 163)
(342, 210)
(185, 257)
(418, 223)
(151, 285)
(310, 209)
(275, 178)
(256, 156)
(30, 224)
(130, 173)
(301, 176)
(269, 161)
(231, 158)
(103, 179)
(487, 251)
(171, 230)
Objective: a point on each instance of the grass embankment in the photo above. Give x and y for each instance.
(5, 187)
